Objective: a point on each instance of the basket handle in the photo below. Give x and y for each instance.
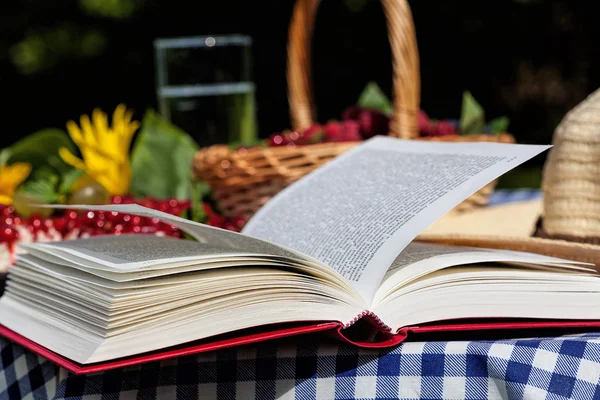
(405, 58)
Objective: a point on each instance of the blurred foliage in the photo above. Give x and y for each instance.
(161, 159)
(40, 150)
(373, 97)
(119, 9)
(43, 50)
(530, 60)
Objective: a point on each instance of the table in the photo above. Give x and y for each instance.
(553, 368)
(557, 367)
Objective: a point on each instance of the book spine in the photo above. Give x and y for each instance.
(373, 319)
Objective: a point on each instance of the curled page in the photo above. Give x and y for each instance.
(359, 211)
(206, 234)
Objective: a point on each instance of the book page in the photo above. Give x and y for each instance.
(359, 211)
(205, 234)
(419, 251)
(420, 259)
(230, 246)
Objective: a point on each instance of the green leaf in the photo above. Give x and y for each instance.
(373, 97)
(499, 125)
(241, 114)
(68, 179)
(45, 173)
(199, 191)
(43, 190)
(472, 118)
(161, 160)
(41, 148)
(316, 138)
(4, 156)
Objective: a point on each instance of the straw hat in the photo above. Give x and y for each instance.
(510, 226)
(567, 223)
(571, 180)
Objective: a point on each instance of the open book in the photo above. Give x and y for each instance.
(333, 251)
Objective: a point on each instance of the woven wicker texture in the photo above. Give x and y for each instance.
(244, 180)
(405, 58)
(571, 179)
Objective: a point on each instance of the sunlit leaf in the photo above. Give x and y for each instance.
(68, 179)
(161, 160)
(499, 125)
(199, 191)
(43, 190)
(41, 149)
(373, 97)
(472, 118)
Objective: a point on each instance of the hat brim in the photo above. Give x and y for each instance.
(509, 227)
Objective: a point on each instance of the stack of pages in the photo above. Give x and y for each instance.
(333, 249)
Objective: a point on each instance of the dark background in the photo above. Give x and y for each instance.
(531, 60)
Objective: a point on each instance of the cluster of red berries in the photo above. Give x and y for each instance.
(357, 124)
(230, 223)
(333, 131)
(72, 224)
(430, 128)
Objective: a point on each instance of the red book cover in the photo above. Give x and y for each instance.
(334, 329)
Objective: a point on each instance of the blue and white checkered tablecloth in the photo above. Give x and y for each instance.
(565, 367)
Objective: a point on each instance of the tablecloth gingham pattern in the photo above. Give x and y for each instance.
(503, 196)
(548, 368)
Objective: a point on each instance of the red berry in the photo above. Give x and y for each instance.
(423, 122)
(445, 128)
(333, 132)
(8, 210)
(312, 135)
(373, 123)
(351, 113)
(276, 139)
(8, 234)
(350, 131)
(216, 220)
(35, 224)
(114, 216)
(230, 227)
(149, 229)
(239, 222)
(208, 209)
(60, 224)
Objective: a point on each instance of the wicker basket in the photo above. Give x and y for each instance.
(245, 179)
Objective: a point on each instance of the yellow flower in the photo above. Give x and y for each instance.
(12, 176)
(104, 148)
